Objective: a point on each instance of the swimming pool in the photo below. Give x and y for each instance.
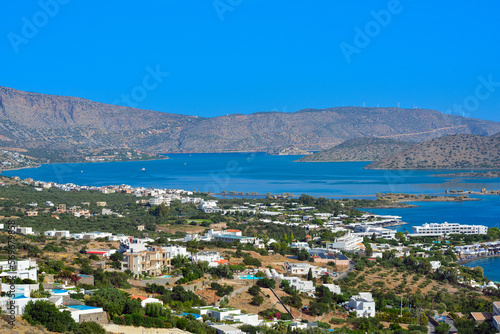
(250, 277)
(83, 307)
(59, 291)
(197, 316)
(166, 276)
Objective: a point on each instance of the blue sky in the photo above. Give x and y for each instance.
(243, 56)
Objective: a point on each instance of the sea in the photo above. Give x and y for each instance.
(272, 174)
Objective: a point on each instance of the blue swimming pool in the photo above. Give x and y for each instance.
(59, 291)
(249, 277)
(83, 307)
(193, 314)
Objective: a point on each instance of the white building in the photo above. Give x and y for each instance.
(333, 288)
(23, 230)
(302, 268)
(20, 269)
(176, 250)
(349, 242)
(226, 329)
(447, 228)
(213, 258)
(229, 236)
(380, 232)
(146, 300)
(363, 304)
(300, 285)
(435, 264)
(300, 245)
(57, 234)
(496, 315)
(210, 207)
(229, 314)
(158, 200)
(133, 245)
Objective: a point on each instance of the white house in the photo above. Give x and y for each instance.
(146, 300)
(435, 265)
(210, 207)
(58, 234)
(20, 269)
(333, 288)
(300, 285)
(23, 230)
(229, 314)
(176, 250)
(213, 258)
(302, 268)
(300, 245)
(363, 304)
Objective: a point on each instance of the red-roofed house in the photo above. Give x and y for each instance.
(146, 300)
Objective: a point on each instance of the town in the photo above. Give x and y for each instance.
(116, 256)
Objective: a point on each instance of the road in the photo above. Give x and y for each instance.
(344, 274)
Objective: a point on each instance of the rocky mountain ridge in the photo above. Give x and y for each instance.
(41, 121)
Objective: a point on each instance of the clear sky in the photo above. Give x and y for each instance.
(211, 58)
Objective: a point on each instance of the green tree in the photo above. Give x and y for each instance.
(400, 236)
(310, 275)
(443, 328)
(257, 300)
(254, 290)
(48, 315)
(90, 327)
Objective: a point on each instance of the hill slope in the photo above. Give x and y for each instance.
(32, 120)
(359, 149)
(454, 152)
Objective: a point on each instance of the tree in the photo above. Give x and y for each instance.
(442, 328)
(400, 236)
(90, 327)
(46, 314)
(254, 290)
(116, 257)
(310, 275)
(318, 308)
(257, 300)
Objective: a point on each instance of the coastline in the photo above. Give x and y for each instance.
(81, 162)
(464, 261)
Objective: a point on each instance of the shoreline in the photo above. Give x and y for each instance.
(81, 162)
(463, 262)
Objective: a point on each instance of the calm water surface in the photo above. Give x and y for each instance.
(258, 172)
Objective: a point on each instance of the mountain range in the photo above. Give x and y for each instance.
(42, 121)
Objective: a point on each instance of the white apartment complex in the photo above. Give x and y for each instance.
(349, 242)
(447, 228)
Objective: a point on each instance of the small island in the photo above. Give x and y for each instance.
(489, 174)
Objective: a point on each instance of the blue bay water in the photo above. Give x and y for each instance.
(252, 172)
(258, 172)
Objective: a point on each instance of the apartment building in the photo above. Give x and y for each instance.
(152, 261)
(447, 228)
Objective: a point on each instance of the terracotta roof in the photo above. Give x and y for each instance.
(481, 316)
(138, 297)
(497, 304)
(233, 230)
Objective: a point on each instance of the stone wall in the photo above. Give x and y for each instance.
(100, 318)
